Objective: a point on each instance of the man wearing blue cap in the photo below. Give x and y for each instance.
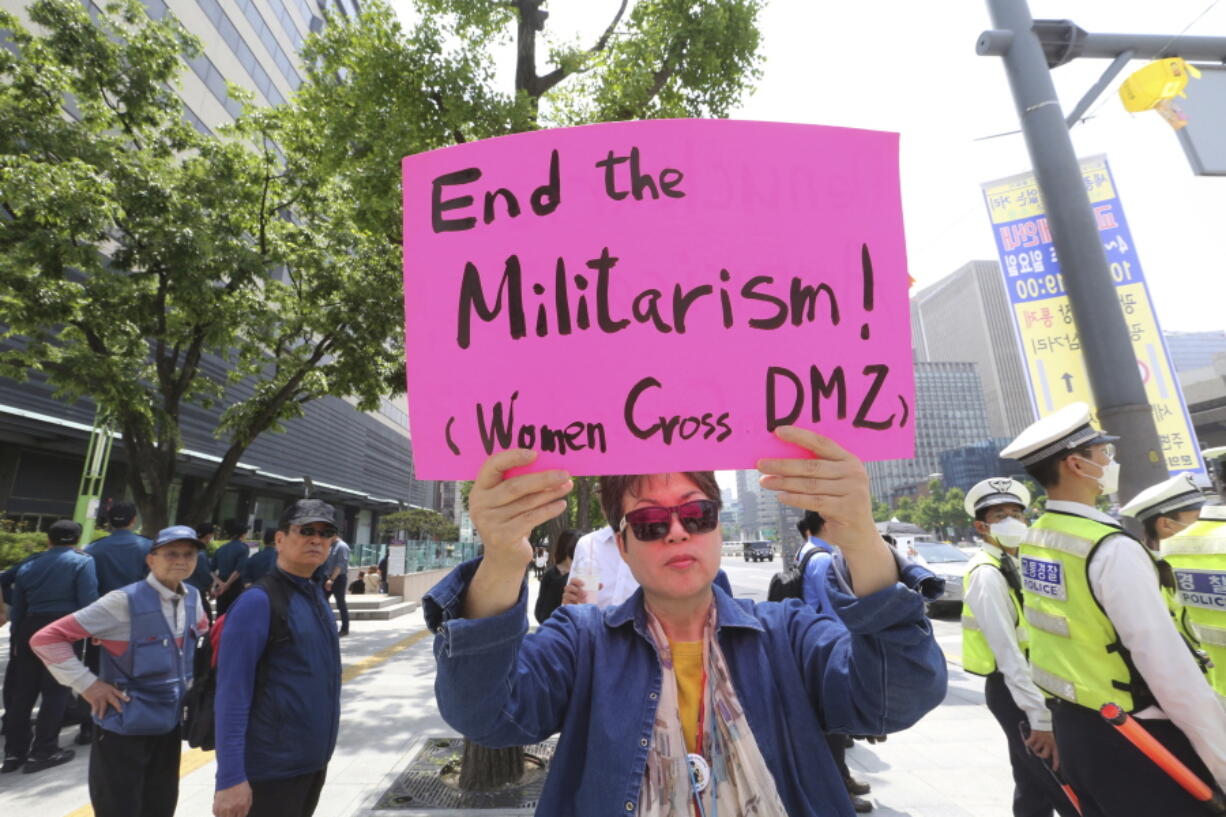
(1100, 633)
(148, 631)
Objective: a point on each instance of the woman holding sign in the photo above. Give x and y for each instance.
(684, 700)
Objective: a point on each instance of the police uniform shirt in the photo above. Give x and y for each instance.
(1121, 576)
(990, 599)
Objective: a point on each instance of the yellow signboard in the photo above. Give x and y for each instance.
(1044, 320)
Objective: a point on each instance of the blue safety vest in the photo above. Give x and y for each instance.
(154, 670)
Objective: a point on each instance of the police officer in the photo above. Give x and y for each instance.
(1100, 633)
(994, 644)
(1197, 556)
(55, 582)
(1164, 510)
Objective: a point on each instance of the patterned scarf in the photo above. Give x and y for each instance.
(741, 784)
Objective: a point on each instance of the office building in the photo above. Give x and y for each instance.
(966, 316)
(1195, 350)
(969, 465)
(949, 415)
(361, 462)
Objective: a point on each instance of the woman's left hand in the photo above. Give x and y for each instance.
(834, 483)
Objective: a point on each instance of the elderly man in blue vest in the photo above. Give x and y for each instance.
(148, 631)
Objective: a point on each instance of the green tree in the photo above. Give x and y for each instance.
(420, 523)
(133, 248)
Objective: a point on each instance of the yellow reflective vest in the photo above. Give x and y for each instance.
(1075, 652)
(1198, 557)
(977, 655)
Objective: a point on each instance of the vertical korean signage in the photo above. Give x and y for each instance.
(1043, 317)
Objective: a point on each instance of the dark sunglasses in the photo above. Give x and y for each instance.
(650, 524)
(308, 531)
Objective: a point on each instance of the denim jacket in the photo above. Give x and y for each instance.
(594, 676)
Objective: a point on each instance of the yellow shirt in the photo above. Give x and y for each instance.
(687, 666)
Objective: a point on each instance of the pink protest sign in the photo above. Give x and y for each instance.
(640, 297)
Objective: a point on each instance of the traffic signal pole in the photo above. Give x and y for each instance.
(1115, 379)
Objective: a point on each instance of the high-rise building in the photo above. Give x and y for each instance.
(964, 467)
(361, 462)
(949, 414)
(966, 317)
(747, 495)
(1195, 350)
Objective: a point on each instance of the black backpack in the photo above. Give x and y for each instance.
(790, 583)
(198, 726)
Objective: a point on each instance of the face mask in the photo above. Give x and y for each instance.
(1008, 533)
(1109, 480)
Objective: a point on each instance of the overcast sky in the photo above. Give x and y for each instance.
(911, 67)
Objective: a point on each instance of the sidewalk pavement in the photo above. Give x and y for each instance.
(952, 764)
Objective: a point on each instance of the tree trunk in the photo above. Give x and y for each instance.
(484, 769)
(583, 503)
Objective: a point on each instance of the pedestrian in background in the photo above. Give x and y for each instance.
(262, 563)
(228, 563)
(56, 582)
(275, 737)
(203, 578)
(553, 582)
(148, 631)
(813, 593)
(336, 579)
(994, 643)
(119, 557)
(373, 581)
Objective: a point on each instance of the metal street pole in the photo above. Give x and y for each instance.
(1115, 379)
(93, 475)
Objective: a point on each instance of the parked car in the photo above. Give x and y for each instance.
(758, 551)
(948, 562)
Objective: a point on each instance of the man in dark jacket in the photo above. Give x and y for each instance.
(274, 742)
(56, 582)
(229, 562)
(120, 557)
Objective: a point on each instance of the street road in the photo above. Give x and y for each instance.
(751, 579)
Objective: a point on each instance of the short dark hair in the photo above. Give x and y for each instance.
(564, 548)
(614, 488)
(811, 524)
(205, 529)
(270, 536)
(121, 514)
(234, 528)
(1047, 472)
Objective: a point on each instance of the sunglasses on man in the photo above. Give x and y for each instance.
(654, 522)
(309, 531)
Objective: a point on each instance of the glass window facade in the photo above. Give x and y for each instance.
(949, 414)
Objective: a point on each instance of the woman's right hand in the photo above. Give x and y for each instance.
(504, 511)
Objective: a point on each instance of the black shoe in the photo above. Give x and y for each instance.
(11, 764)
(855, 786)
(343, 633)
(37, 764)
(861, 805)
(83, 738)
